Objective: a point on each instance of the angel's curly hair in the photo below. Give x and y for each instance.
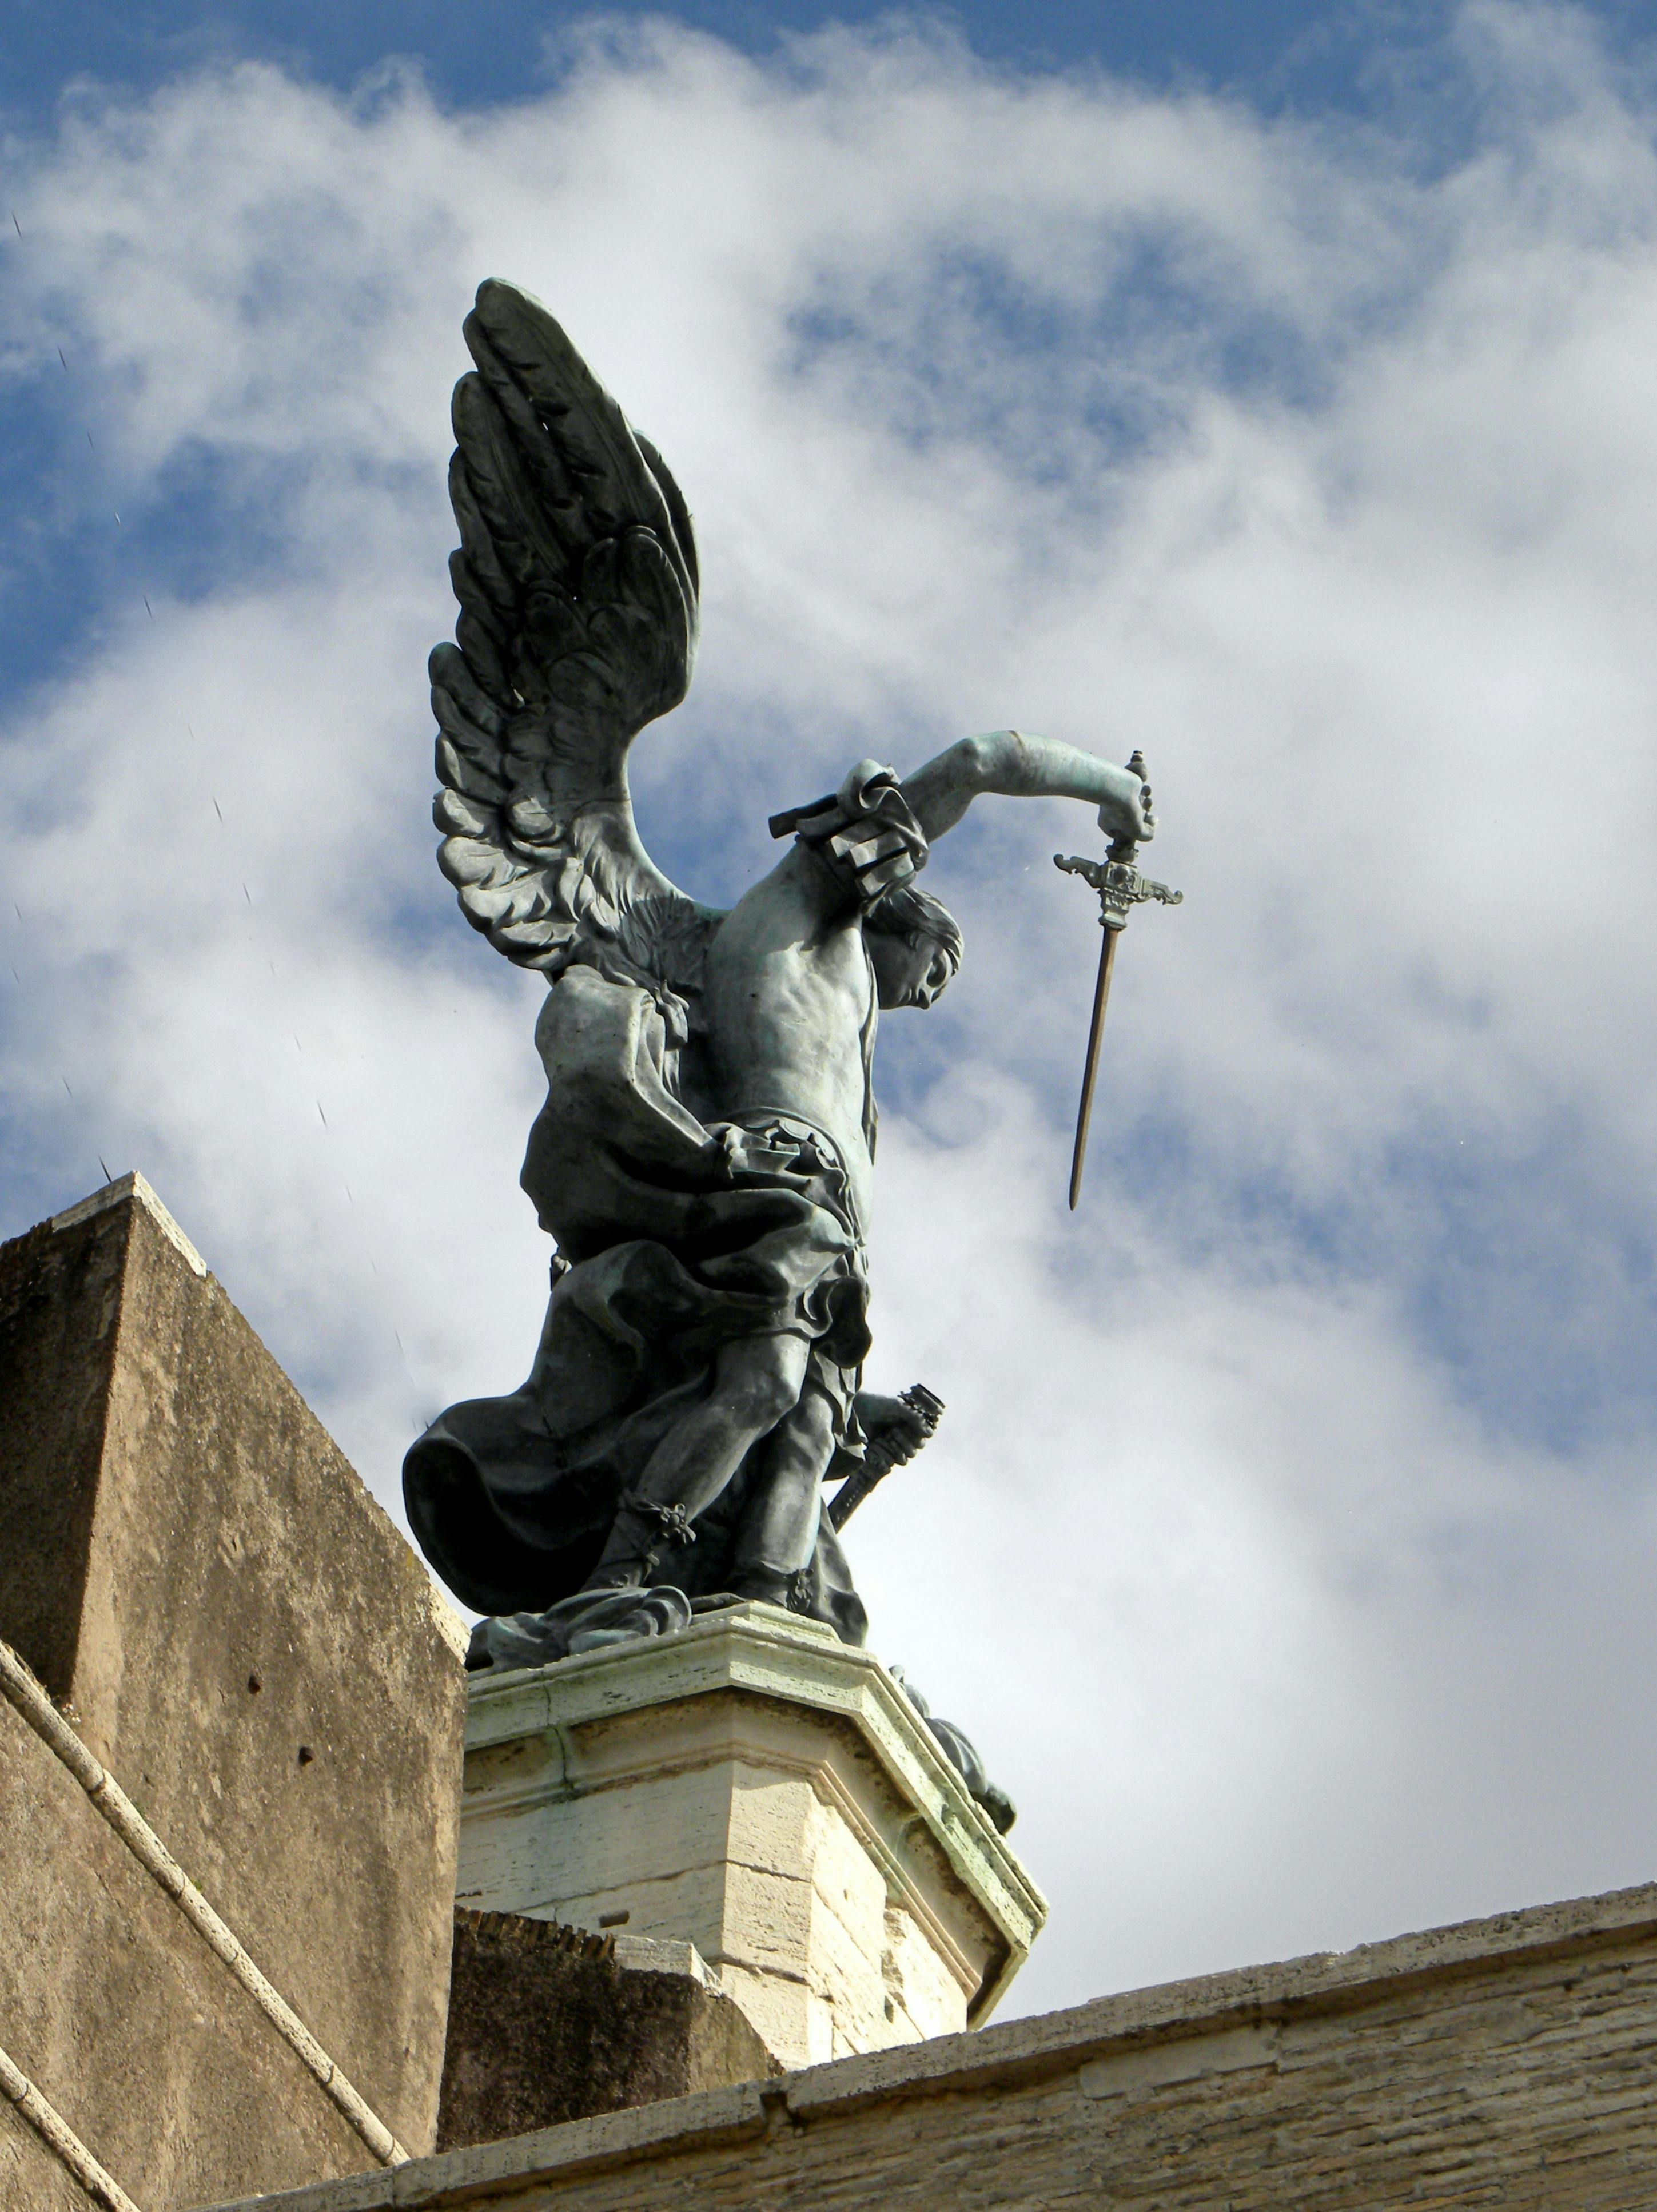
(919, 920)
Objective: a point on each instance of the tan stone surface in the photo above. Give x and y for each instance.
(547, 2025)
(1508, 2062)
(751, 1786)
(125, 2022)
(33, 2179)
(177, 1528)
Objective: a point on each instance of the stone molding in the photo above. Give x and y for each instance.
(60, 2139)
(31, 1702)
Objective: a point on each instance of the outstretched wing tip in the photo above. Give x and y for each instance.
(502, 312)
(499, 288)
(495, 292)
(577, 584)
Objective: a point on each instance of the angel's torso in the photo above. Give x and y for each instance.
(791, 1006)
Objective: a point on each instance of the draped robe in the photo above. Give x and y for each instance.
(674, 1236)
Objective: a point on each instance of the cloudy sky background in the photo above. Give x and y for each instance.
(1291, 1543)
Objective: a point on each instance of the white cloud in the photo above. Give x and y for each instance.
(1288, 1539)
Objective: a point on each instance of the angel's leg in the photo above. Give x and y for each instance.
(756, 1381)
(779, 1530)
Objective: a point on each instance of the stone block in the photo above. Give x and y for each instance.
(239, 1633)
(790, 2013)
(917, 1980)
(547, 2025)
(752, 1786)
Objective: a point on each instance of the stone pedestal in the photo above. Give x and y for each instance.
(753, 1787)
(232, 1628)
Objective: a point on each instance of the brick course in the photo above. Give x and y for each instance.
(1509, 2062)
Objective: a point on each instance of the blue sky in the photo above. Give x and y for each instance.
(1275, 51)
(1360, 60)
(1275, 396)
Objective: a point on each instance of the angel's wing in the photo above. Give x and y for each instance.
(577, 581)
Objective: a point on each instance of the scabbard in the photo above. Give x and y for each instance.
(852, 1491)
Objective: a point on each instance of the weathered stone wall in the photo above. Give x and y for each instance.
(163, 2068)
(547, 2024)
(1508, 2061)
(239, 1633)
(31, 2178)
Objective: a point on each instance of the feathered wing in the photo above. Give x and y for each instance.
(577, 581)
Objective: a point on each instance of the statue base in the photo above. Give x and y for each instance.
(752, 1786)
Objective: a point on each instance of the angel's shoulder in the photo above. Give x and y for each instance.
(795, 915)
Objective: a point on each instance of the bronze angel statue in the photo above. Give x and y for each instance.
(704, 1159)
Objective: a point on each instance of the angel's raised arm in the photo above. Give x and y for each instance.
(1018, 765)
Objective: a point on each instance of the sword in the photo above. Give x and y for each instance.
(1120, 888)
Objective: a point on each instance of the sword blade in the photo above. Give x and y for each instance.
(1090, 1070)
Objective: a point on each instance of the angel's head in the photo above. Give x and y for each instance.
(914, 943)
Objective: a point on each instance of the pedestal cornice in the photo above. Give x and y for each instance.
(764, 1652)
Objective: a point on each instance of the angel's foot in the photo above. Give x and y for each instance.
(586, 1622)
(790, 1589)
(598, 1618)
(640, 1534)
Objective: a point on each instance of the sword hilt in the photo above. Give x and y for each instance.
(880, 1458)
(1120, 885)
(1126, 849)
(1118, 882)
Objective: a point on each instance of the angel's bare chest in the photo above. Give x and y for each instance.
(791, 1012)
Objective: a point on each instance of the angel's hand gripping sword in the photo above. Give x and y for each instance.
(1120, 888)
